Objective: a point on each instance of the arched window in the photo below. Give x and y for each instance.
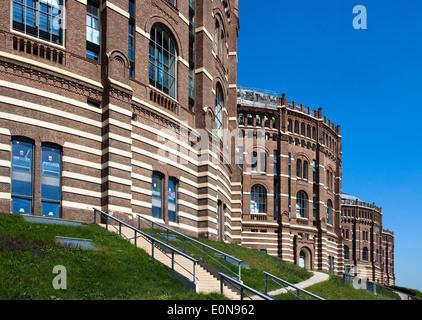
(365, 254)
(219, 111)
(296, 126)
(258, 120)
(157, 194)
(302, 129)
(172, 199)
(258, 199)
(299, 168)
(22, 175)
(329, 212)
(289, 125)
(308, 131)
(250, 119)
(216, 36)
(305, 170)
(241, 119)
(274, 122)
(162, 61)
(346, 253)
(301, 204)
(313, 133)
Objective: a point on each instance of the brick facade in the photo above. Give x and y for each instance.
(117, 130)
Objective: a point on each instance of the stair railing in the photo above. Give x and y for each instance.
(155, 243)
(198, 246)
(242, 289)
(288, 287)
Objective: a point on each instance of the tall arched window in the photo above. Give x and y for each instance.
(308, 131)
(302, 129)
(172, 199)
(216, 36)
(241, 119)
(346, 253)
(305, 170)
(162, 61)
(329, 212)
(258, 199)
(289, 125)
(365, 254)
(299, 168)
(296, 126)
(219, 111)
(301, 204)
(157, 194)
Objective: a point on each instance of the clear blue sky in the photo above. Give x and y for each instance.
(367, 81)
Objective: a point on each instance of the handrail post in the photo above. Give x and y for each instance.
(266, 284)
(152, 247)
(134, 240)
(240, 270)
(167, 236)
(172, 259)
(194, 272)
(203, 253)
(152, 228)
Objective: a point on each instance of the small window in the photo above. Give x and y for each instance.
(219, 111)
(305, 170)
(250, 120)
(241, 119)
(296, 126)
(346, 253)
(258, 120)
(254, 161)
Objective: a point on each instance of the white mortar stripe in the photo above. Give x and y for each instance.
(49, 126)
(48, 110)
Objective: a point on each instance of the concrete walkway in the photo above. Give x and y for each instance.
(316, 278)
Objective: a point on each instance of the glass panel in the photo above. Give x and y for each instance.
(22, 154)
(172, 200)
(157, 199)
(21, 205)
(50, 173)
(50, 209)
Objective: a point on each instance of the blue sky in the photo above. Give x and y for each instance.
(367, 81)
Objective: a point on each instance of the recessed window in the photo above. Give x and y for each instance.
(329, 212)
(157, 195)
(162, 61)
(50, 181)
(22, 176)
(219, 111)
(172, 199)
(301, 204)
(258, 199)
(43, 19)
(93, 30)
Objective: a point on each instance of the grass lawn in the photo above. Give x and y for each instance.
(117, 270)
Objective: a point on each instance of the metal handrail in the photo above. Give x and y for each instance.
(153, 241)
(241, 288)
(286, 285)
(191, 240)
(374, 285)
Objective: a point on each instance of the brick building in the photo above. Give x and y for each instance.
(131, 106)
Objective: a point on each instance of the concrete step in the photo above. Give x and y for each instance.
(206, 282)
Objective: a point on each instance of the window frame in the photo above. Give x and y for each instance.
(218, 111)
(157, 65)
(302, 205)
(23, 197)
(37, 12)
(258, 197)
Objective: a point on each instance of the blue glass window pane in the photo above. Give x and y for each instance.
(157, 199)
(172, 198)
(50, 192)
(50, 209)
(21, 168)
(21, 205)
(50, 173)
(21, 188)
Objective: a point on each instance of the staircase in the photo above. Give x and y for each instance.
(206, 282)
